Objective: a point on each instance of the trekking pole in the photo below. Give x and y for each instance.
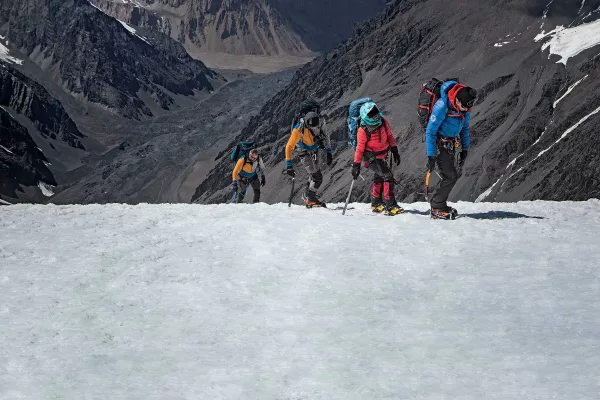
(348, 198)
(292, 192)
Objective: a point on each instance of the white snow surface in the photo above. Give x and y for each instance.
(5, 57)
(569, 90)
(568, 42)
(132, 30)
(46, 189)
(486, 193)
(267, 302)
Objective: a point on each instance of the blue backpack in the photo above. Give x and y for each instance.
(241, 150)
(354, 119)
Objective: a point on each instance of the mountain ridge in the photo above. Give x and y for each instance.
(390, 56)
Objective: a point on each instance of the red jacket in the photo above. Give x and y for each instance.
(379, 143)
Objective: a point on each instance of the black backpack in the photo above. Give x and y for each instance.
(306, 106)
(429, 94)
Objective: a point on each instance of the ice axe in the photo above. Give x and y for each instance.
(349, 194)
(427, 185)
(348, 197)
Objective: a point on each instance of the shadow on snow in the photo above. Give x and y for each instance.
(483, 215)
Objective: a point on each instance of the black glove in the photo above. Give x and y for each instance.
(263, 180)
(396, 155)
(234, 187)
(431, 163)
(355, 170)
(329, 158)
(463, 157)
(290, 171)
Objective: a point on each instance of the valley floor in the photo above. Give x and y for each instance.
(267, 302)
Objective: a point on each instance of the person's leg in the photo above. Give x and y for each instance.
(242, 188)
(445, 163)
(255, 183)
(315, 177)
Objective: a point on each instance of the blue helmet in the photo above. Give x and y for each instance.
(370, 108)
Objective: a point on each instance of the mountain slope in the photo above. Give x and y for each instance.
(30, 99)
(163, 159)
(36, 134)
(22, 163)
(493, 47)
(97, 59)
(161, 301)
(219, 30)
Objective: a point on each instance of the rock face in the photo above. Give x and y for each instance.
(243, 27)
(100, 60)
(21, 162)
(531, 140)
(30, 99)
(164, 159)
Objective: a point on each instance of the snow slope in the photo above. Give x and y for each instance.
(568, 42)
(266, 302)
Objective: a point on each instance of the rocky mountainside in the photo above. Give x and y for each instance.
(97, 59)
(30, 99)
(165, 158)
(533, 127)
(70, 75)
(22, 159)
(278, 28)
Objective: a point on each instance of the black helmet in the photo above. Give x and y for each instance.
(312, 119)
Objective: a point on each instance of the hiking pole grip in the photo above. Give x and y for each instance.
(348, 197)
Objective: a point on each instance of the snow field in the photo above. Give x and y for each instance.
(266, 302)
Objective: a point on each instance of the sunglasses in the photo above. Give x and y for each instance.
(374, 113)
(464, 107)
(313, 122)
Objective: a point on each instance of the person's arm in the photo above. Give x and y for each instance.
(440, 110)
(327, 136)
(390, 136)
(465, 134)
(261, 166)
(237, 169)
(290, 146)
(361, 144)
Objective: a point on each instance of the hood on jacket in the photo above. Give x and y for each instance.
(448, 90)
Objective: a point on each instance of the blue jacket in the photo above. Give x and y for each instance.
(446, 121)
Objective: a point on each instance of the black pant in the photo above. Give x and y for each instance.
(255, 183)
(445, 163)
(383, 184)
